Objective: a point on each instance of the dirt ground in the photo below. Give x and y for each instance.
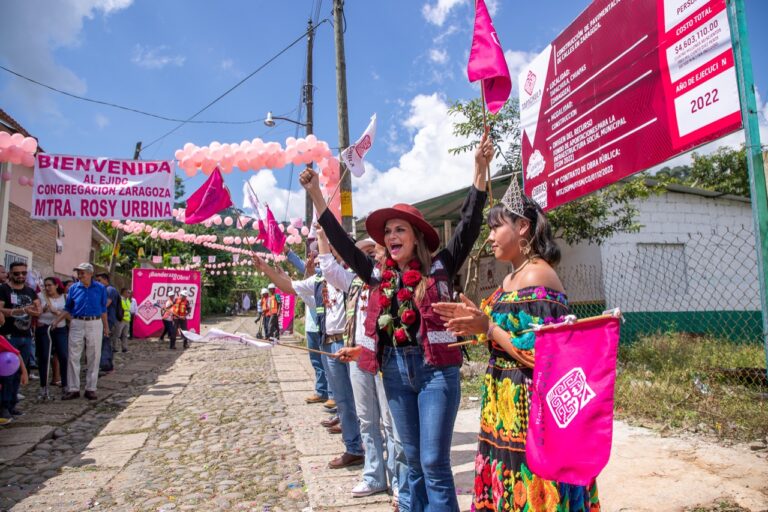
(650, 472)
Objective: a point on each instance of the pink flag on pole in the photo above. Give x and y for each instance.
(208, 200)
(275, 238)
(487, 62)
(571, 418)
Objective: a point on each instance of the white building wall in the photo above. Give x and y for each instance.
(581, 272)
(693, 253)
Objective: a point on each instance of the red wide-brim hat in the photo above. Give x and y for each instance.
(376, 221)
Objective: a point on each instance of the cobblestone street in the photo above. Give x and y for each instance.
(202, 429)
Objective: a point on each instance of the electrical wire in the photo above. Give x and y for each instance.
(121, 107)
(238, 84)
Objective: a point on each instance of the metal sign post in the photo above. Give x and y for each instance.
(755, 164)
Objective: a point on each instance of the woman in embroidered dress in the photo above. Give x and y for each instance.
(532, 294)
(410, 341)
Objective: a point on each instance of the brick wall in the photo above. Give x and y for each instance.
(37, 236)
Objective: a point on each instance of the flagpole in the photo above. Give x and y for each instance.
(487, 131)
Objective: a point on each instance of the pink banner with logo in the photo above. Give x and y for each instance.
(287, 311)
(151, 287)
(571, 419)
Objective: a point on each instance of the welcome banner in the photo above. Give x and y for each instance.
(81, 187)
(151, 288)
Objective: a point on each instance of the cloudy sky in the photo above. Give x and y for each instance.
(406, 61)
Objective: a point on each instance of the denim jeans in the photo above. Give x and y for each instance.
(338, 378)
(370, 412)
(424, 401)
(59, 348)
(321, 382)
(12, 383)
(400, 470)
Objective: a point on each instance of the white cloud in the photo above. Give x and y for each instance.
(227, 64)
(264, 184)
(155, 58)
(493, 7)
(101, 121)
(438, 56)
(28, 48)
(437, 13)
(425, 170)
(517, 61)
(445, 34)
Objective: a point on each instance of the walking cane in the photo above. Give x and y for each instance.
(46, 394)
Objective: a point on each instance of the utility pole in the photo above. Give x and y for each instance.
(119, 233)
(308, 102)
(343, 115)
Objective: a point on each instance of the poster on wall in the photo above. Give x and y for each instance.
(628, 85)
(83, 187)
(151, 288)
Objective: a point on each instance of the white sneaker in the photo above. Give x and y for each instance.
(19, 396)
(33, 376)
(363, 489)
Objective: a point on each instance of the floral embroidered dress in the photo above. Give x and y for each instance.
(503, 481)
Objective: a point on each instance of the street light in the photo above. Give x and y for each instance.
(270, 120)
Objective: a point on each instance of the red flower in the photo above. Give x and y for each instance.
(384, 301)
(386, 284)
(411, 278)
(408, 316)
(400, 335)
(479, 487)
(404, 294)
(387, 275)
(391, 262)
(486, 474)
(415, 264)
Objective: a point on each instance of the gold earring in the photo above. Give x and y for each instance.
(525, 247)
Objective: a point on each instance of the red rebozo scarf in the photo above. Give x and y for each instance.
(433, 332)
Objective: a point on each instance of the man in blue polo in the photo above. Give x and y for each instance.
(86, 307)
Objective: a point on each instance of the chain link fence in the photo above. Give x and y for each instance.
(692, 355)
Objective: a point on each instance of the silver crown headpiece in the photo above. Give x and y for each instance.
(513, 198)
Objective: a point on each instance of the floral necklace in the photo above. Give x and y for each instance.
(397, 327)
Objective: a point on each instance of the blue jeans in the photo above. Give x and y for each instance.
(424, 401)
(11, 384)
(321, 383)
(400, 470)
(338, 378)
(370, 413)
(60, 349)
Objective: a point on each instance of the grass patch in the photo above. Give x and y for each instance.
(694, 383)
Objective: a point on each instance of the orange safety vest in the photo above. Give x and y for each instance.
(271, 306)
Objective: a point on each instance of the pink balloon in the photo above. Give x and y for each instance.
(228, 221)
(179, 154)
(23, 181)
(238, 240)
(5, 139)
(304, 231)
(17, 139)
(28, 160)
(29, 144)
(217, 220)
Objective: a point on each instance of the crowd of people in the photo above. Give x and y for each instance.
(383, 312)
(50, 327)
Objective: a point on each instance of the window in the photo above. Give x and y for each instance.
(12, 257)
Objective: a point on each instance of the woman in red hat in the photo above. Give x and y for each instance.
(420, 371)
